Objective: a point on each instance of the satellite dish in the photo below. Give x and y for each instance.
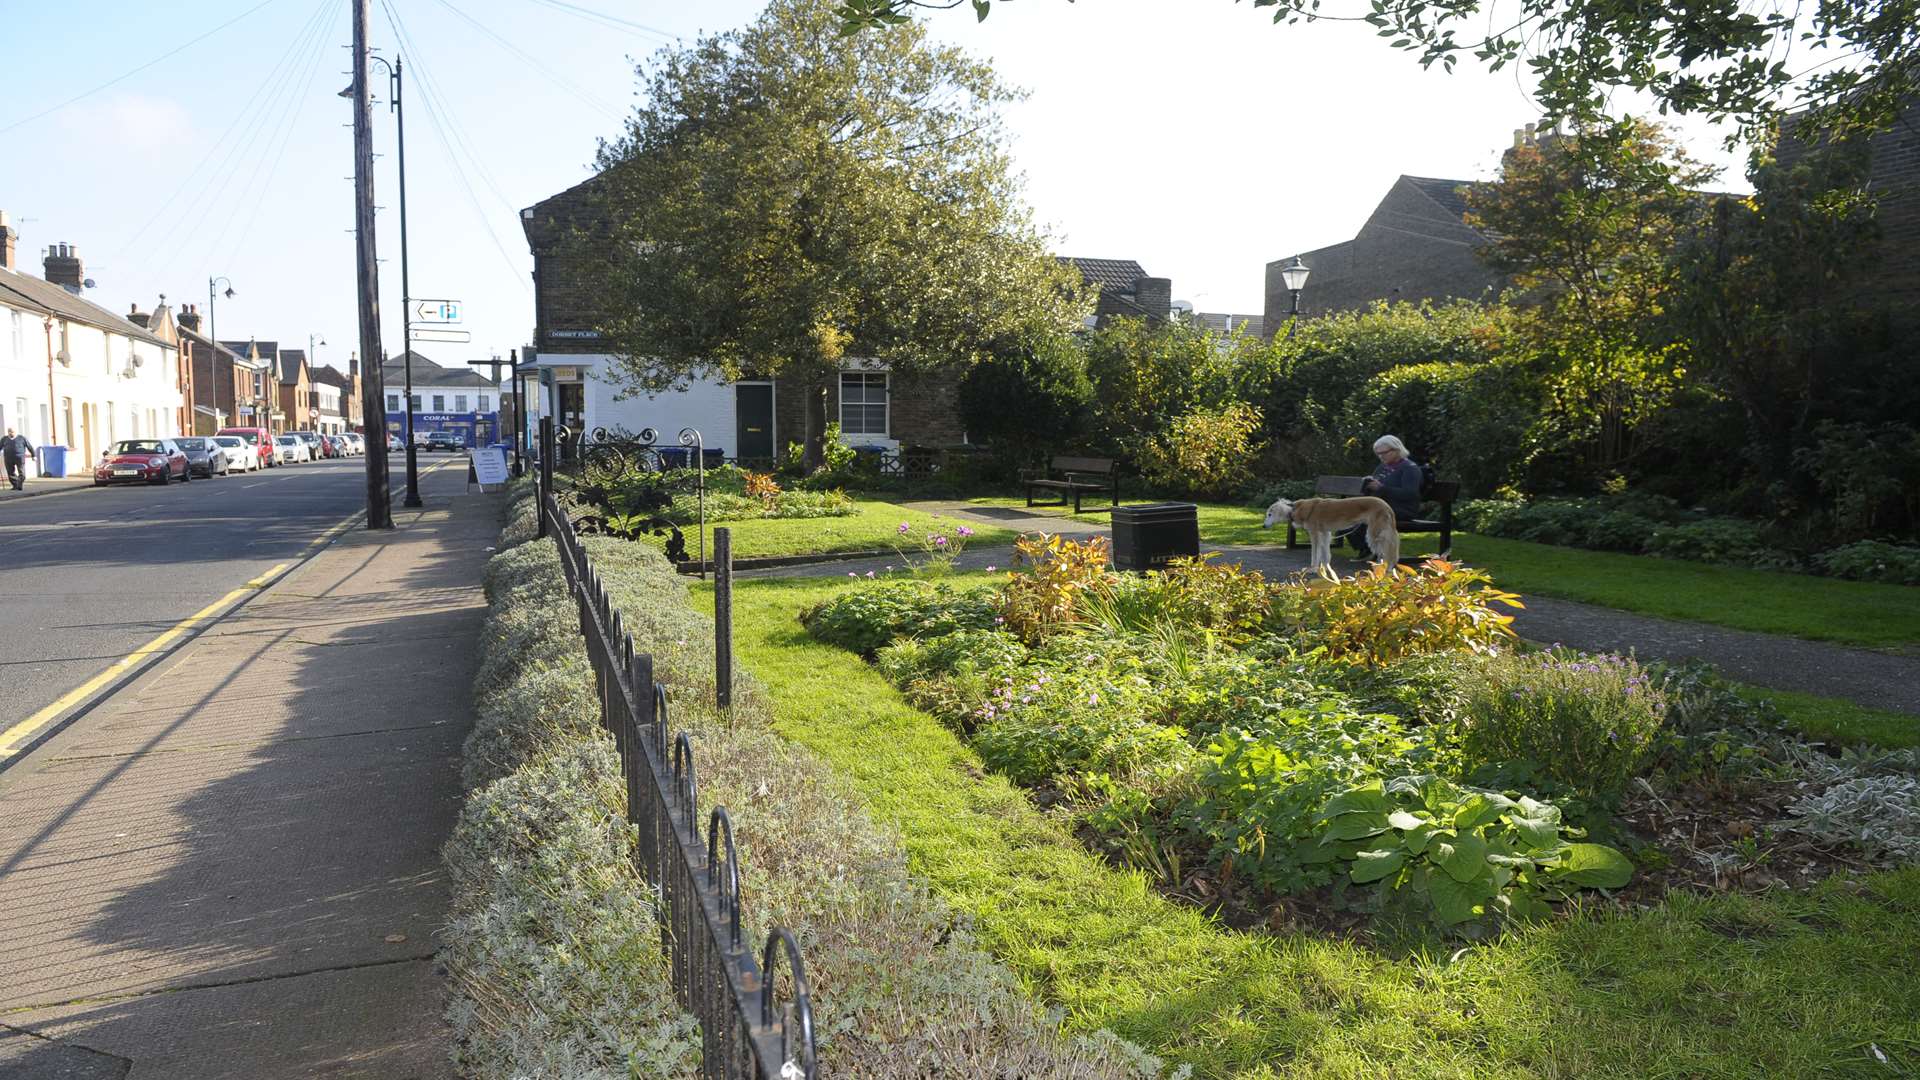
(1185, 306)
(88, 283)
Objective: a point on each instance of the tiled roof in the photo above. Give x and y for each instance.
(269, 351)
(1111, 275)
(1222, 322)
(291, 361)
(1448, 193)
(428, 373)
(47, 297)
(331, 376)
(198, 338)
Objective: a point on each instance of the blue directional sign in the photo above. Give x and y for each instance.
(436, 311)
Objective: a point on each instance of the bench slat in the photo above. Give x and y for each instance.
(1096, 466)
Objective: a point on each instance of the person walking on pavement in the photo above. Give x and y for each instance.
(14, 450)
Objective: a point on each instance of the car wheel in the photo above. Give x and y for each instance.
(186, 474)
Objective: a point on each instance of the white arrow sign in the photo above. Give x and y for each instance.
(430, 333)
(436, 311)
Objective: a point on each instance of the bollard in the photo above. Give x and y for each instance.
(723, 617)
(546, 470)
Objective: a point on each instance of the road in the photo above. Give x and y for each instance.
(87, 577)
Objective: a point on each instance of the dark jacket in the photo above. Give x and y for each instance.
(15, 449)
(1400, 486)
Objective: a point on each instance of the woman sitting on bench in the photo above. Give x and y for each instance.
(1396, 482)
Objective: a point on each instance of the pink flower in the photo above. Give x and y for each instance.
(999, 619)
(991, 569)
(852, 574)
(1093, 699)
(964, 531)
(903, 528)
(939, 541)
(869, 573)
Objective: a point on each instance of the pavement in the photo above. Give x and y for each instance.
(43, 485)
(230, 867)
(1876, 679)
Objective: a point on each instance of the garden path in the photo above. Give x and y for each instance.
(1878, 680)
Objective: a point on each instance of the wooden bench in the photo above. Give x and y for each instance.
(1076, 476)
(1443, 494)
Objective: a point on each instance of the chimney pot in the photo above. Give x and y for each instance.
(63, 268)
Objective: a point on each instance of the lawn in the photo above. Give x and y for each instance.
(1722, 986)
(1831, 718)
(875, 526)
(1799, 605)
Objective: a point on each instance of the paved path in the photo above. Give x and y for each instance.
(1881, 680)
(230, 868)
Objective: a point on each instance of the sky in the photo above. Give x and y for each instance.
(1193, 136)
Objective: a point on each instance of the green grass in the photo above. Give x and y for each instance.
(1787, 985)
(1798, 605)
(1842, 721)
(873, 527)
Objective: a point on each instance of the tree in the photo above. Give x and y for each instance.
(787, 198)
(1029, 400)
(1586, 224)
(1857, 62)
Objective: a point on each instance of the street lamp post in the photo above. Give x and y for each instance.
(406, 292)
(1295, 276)
(213, 329)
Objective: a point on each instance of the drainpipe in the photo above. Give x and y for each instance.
(53, 414)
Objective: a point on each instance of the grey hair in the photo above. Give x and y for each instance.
(1390, 442)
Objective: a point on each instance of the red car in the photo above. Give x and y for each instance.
(135, 461)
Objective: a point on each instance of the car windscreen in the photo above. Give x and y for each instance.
(229, 440)
(246, 436)
(287, 440)
(191, 444)
(137, 446)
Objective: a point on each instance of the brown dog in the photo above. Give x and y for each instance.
(1324, 517)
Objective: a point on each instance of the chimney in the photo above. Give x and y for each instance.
(1154, 295)
(353, 365)
(7, 238)
(189, 318)
(137, 317)
(63, 268)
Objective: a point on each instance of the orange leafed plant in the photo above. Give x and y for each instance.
(762, 486)
(1058, 573)
(1387, 613)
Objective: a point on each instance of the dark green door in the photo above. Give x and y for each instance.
(753, 412)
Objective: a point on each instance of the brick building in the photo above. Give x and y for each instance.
(1893, 178)
(344, 391)
(226, 385)
(1415, 246)
(749, 417)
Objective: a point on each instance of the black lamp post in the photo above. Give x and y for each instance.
(1294, 274)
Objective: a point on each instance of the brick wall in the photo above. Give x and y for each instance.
(1409, 249)
(568, 301)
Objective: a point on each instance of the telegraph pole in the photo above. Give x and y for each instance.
(373, 402)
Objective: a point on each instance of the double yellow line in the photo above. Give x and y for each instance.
(14, 737)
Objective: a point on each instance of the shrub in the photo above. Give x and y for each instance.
(869, 616)
(1467, 853)
(1057, 574)
(723, 506)
(1195, 594)
(1207, 452)
(1717, 540)
(1872, 560)
(962, 652)
(1031, 402)
(1048, 725)
(1585, 723)
(1880, 815)
(1265, 495)
(1384, 614)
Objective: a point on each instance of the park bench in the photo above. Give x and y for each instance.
(1440, 492)
(1074, 477)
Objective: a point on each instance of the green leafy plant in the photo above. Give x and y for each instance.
(1468, 854)
(932, 551)
(1584, 722)
(866, 618)
(1056, 572)
(1873, 560)
(1207, 452)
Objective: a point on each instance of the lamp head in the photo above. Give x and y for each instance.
(1295, 274)
(229, 293)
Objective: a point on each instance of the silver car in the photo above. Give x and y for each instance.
(205, 457)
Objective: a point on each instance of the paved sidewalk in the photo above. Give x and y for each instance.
(1880, 680)
(232, 868)
(43, 485)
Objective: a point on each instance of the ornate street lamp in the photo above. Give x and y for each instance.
(1294, 274)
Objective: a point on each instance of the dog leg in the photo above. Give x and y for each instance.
(1322, 549)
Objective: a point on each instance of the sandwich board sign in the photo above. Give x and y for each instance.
(489, 466)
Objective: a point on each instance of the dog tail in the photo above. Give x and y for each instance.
(1384, 539)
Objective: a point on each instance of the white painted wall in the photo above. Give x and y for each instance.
(707, 405)
(119, 387)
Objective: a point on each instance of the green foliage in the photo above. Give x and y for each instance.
(1717, 540)
(868, 617)
(1870, 475)
(1873, 560)
(869, 203)
(1584, 724)
(1461, 417)
(1204, 452)
(1033, 402)
(1146, 374)
(1056, 575)
(1470, 854)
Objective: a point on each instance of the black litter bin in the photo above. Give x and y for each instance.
(1148, 537)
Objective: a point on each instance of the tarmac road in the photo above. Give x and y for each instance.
(88, 576)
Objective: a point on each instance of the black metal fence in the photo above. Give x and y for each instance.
(751, 1029)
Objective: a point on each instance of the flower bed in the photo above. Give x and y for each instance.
(1355, 749)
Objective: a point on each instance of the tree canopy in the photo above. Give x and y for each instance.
(787, 198)
(1854, 61)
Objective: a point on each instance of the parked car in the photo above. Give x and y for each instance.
(241, 454)
(350, 444)
(394, 445)
(291, 448)
(204, 456)
(316, 445)
(444, 440)
(257, 437)
(142, 461)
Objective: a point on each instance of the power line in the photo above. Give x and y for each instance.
(124, 76)
(429, 96)
(298, 109)
(558, 79)
(264, 98)
(613, 21)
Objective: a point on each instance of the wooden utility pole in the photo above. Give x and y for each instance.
(373, 402)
